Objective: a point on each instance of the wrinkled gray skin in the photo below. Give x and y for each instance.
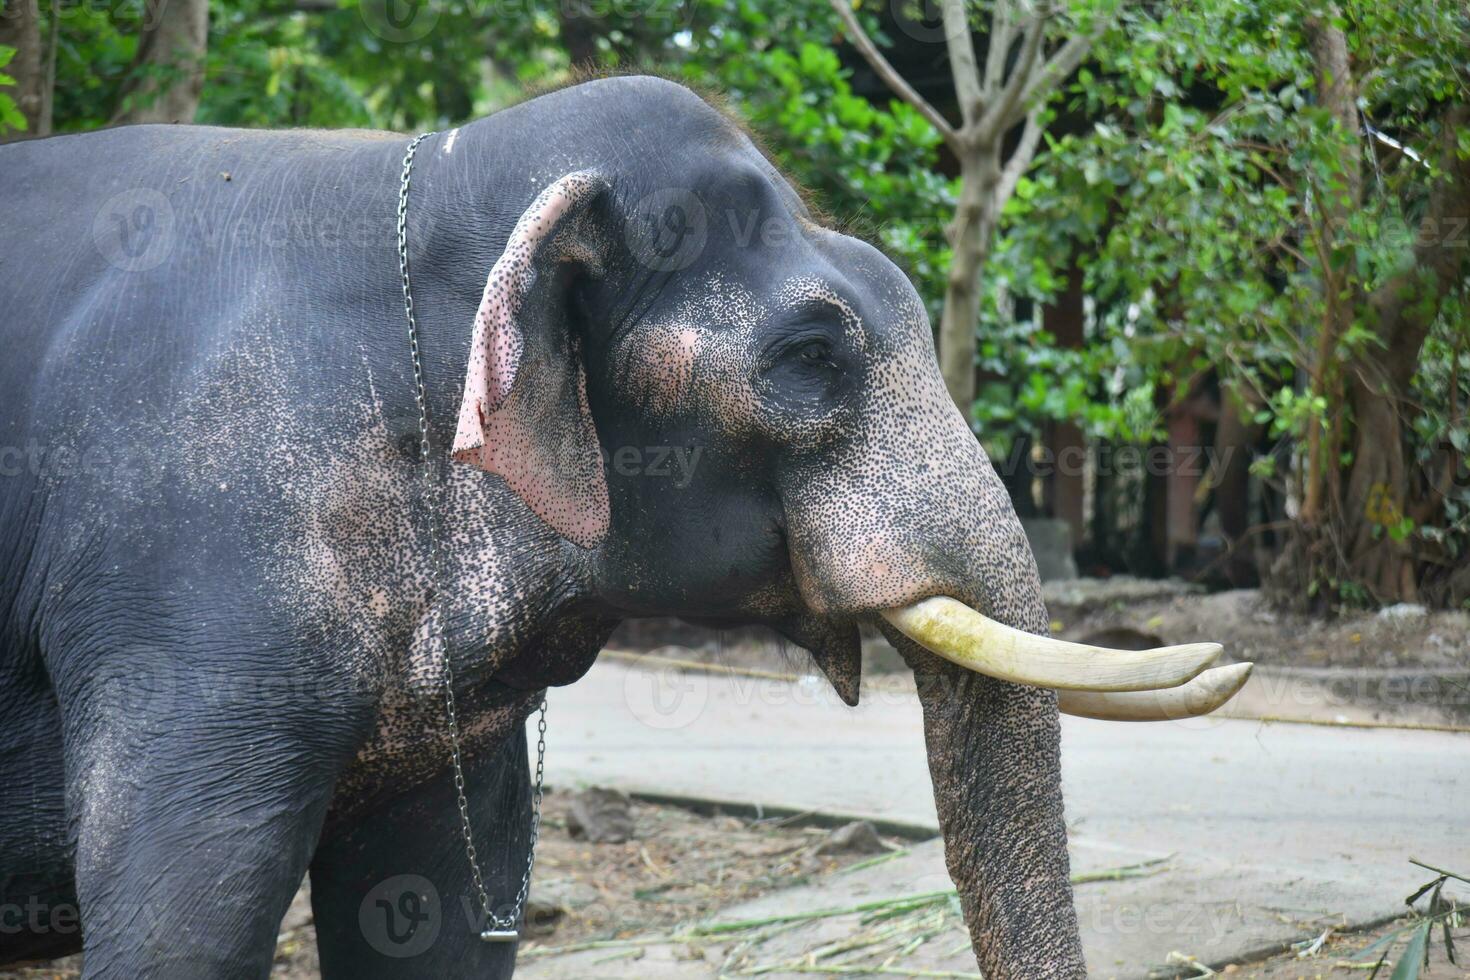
(214, 672)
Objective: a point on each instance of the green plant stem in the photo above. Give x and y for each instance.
(1439, 871)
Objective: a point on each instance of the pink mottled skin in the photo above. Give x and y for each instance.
(493, 436)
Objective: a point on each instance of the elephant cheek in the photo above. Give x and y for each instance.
(836, 576)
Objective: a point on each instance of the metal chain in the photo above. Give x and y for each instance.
(497, 928)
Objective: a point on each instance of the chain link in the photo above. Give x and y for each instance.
(497, 928)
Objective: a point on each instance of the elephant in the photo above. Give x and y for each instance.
(236, 578)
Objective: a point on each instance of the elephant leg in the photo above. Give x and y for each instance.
(38, 904)
(391, 888)
(196, 808)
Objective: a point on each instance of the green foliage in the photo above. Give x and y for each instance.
(1193, 200)
(95, 44)
(10, 117)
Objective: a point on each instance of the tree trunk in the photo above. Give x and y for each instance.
(1230, 481)
(20, 28)
(974, 230)
(1400, 312)
(991, 105)
(1376, 495)
(168, 71)
(1354, 526)
(1336, 201)
(1181, 488)
(1063, 319)
(578, 34)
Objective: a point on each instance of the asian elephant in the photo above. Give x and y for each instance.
(218, 659)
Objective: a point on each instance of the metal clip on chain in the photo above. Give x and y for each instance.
(498, 928)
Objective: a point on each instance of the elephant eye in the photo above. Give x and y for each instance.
(815, 353)
(805, 369)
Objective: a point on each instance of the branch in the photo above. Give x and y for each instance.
(890, 76)
(1002, 33)
(1002, 116)
(1020, 159)
(1338, 94)
(962, 62)
(1407, 303)
(1061, 64)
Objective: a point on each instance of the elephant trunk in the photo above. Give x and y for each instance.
(994, 758)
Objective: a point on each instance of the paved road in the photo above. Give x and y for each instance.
(1275, 828)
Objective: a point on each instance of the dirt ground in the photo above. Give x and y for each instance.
(680, 866)
(1397, 637)
(1341, 956)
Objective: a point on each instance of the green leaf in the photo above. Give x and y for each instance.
(1412, 960)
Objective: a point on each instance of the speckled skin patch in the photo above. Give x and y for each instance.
(505, 431)
(216, 645)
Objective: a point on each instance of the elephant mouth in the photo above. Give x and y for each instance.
(1162, 684)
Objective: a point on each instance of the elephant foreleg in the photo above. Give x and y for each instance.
(196, 808)
(391, 888)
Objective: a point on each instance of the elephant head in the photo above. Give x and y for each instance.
(687, 307)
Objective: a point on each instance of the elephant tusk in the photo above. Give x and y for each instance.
(1200, 696)
(963, 636)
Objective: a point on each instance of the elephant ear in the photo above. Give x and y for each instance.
(524, 415)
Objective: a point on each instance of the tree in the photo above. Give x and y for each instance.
(167, 76)
(29, 68)
(1370, 498)
(1239, 220)
(1208, 171)
(1010, 91)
